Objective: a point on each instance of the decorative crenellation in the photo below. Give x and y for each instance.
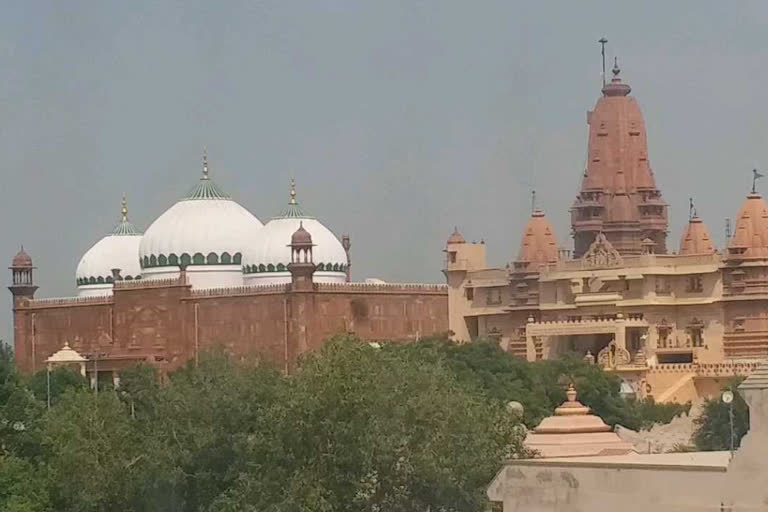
(68, 301)
(723, 369)
(173, 260)
(381, 287)
(233, 291)
(83, 281)
(151, 283)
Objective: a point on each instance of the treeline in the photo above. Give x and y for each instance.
(357, 427)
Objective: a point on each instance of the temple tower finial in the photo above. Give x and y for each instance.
(205, 164)
(755, 176)
(124, 209)
(602, 42)
(293, 191)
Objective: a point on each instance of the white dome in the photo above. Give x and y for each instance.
(268, 261)
(120, 250)
(207, 231)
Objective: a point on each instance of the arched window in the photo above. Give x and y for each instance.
(91, 280)
(146, 262)
(270, 268)
(186, 259)
(153, 261)
(237, 259)
(173, 260)
(128, 278)
(226, 258)
(100, 280)
(212, 259)
(162, 260)
(262, 268)
(335, 267)
(109, 279)
(280, 267)
(198, 259)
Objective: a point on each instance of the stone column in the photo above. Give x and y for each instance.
(530, 344)
(621, 331)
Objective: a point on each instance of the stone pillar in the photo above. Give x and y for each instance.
(621, 331)
(530, 343)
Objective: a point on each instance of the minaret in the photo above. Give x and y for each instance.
(618, 195)
(302, 266)
(23, 286)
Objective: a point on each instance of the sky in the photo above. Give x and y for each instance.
(399, 120)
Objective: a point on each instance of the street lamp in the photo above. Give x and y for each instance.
(728, 399)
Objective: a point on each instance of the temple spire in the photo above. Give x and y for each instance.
(755, 176)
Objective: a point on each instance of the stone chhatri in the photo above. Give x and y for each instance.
(574, 432)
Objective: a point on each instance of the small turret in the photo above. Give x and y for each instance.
(302, 266)
(538, 245)
(696, 239)
(23, 286)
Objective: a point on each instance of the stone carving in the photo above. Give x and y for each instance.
(601, 254)
(613, 356)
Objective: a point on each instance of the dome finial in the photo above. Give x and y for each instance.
(124, 209)
(205, 164)
(616, 70)
(293, 191)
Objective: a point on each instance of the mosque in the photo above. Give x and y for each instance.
(672, 325)
(207, 273)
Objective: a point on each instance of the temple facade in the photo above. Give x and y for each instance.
(673, 325)
(207, 273)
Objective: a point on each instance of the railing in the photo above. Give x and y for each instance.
(643, 260)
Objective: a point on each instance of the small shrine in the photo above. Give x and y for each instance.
(574, 432)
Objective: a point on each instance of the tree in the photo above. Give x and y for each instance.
(23, 487)
(62, 379)
(713, 427)
(95, 457)
(367, 429)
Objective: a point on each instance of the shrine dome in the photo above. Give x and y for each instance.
(696, 239)
(206, 232)
(267, 261)
(117, 250)
(539, 245)
(574, 432)
(750, 236)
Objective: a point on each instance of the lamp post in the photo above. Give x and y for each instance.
(728, 399)
(48, 385)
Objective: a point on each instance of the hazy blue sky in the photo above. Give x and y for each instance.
(398, 119)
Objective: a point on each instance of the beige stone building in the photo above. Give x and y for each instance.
(673, 325)
(633, 482)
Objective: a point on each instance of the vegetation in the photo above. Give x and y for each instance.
(713, 427)
(355, 428)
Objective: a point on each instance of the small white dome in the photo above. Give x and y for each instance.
(120, 250)
(268, 261)
(207, 231)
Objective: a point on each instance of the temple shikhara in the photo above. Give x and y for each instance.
(672, 320)
(206, 274)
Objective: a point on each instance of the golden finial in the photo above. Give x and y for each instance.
(205, 163)
(293, 191)
(124, 209)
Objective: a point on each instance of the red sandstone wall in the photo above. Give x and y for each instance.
(168, 325)
(41, 331)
